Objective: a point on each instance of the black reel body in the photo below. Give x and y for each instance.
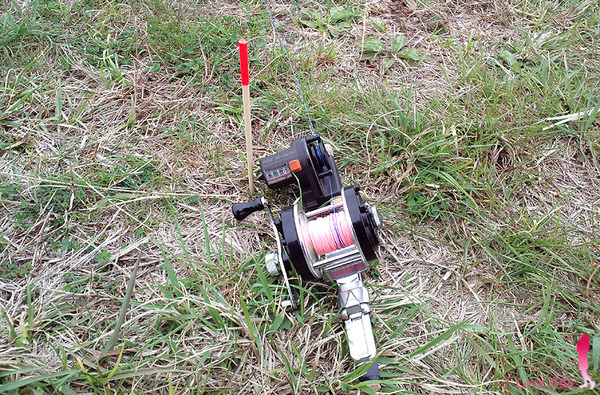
(308, 161)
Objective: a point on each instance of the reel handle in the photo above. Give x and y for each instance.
(242, 210)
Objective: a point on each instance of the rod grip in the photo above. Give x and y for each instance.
(242, 210)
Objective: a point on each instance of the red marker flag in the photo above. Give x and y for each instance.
(243, 47)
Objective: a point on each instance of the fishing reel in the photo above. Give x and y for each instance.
(333, 234)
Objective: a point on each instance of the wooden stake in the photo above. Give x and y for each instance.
(244, 67)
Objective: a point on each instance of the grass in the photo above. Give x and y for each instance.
(473, 128)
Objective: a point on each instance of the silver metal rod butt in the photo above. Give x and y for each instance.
(353, 299)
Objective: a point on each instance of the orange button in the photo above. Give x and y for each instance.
(295, 166)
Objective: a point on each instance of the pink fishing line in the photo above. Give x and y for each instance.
(329, 233)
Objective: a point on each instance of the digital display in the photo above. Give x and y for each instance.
(281, 173)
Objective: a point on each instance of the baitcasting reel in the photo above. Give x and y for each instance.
(335, 239)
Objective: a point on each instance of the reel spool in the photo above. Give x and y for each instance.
(336, 240)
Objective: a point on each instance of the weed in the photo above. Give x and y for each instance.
(334, 22)
(14, 270)
(374, 48)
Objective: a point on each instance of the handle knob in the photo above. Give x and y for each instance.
(242, 210)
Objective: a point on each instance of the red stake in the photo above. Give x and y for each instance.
(243, 48)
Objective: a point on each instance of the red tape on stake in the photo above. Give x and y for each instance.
(243, 47)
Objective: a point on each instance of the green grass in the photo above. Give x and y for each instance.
(472, 127)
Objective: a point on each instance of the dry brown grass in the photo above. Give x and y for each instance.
(94, 156)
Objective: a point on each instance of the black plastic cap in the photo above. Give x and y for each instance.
(372, 373)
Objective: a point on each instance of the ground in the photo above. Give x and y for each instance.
(472, 126)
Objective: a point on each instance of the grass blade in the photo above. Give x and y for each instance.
(117, 329)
